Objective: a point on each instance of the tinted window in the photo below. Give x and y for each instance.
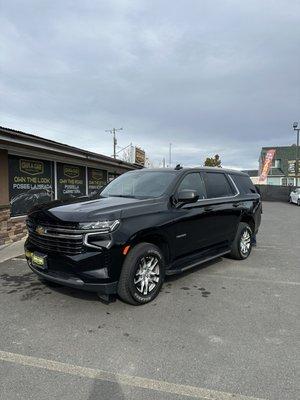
(193, 181)
(217, 185)
(244, 184)
(139, 184)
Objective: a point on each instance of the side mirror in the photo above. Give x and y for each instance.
(187, 196)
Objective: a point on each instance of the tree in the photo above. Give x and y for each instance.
(213, 161)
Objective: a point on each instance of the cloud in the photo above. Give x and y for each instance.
(209, 77)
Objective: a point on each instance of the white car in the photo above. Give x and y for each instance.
(295, 196)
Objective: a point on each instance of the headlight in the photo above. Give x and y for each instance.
(107, 226)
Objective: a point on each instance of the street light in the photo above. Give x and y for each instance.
(296, 129)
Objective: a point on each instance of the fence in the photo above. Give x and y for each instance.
(275, 193)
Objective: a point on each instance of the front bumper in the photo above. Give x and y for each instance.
(73, 281)
(91, 271)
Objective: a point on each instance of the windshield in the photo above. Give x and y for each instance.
(139, 184)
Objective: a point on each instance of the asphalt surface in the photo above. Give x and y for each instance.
(228, 327)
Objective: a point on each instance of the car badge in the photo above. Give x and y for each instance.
(40, 230)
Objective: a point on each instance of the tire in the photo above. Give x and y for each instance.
(237, 247)
(290, 199)
(143, 263)
(298, 202)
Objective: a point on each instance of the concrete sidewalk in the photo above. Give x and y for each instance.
(12, 250)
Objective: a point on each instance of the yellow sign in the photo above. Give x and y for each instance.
(71, 172)
(31, 167)
(139, 156)
(97, 174)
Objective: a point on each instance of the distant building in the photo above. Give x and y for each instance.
(35, 170)
(282, 171)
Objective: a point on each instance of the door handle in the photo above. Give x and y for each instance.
(207, 209)
(236, 204)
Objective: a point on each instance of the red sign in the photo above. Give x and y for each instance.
(267, 165)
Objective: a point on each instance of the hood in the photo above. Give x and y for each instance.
(109, 208)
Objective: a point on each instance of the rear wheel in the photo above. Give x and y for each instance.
(142, 274)
(242, 244)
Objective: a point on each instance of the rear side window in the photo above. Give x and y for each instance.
(217, 185)
(244, 184)
(193, 181)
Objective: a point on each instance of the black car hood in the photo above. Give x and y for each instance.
(105, 208)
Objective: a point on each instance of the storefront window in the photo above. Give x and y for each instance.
(71, 181)
(112, 176)
(97, 178)
(31, 182)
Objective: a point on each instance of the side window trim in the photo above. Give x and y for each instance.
(236, 189)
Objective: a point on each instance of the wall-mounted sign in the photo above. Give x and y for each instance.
(139, 156)
(71, 171)
(292, 167)
(70, 181)
(31, 182)
(96, 179)
(31, 167)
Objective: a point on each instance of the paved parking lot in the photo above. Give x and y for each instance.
(226, 328)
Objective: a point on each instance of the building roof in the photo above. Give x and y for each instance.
(282, 153)
(276, 172)
(251, 172)
(12, 136)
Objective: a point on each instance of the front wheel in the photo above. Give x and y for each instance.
(142, 274)
(242, 244)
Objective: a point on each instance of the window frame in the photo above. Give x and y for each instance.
(230, 181)
(184, 176)
(232, 178)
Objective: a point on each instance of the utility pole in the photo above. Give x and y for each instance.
(170, 155)
(297, 129)
(113, 131)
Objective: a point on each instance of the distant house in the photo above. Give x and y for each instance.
(282, 171)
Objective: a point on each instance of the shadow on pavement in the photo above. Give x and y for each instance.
(103, 390)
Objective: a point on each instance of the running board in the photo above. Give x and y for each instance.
(204, 260)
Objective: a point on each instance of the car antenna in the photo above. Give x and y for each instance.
(178, 167)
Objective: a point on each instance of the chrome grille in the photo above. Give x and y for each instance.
(54, 238)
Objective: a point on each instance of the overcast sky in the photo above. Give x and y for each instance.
(209, 76)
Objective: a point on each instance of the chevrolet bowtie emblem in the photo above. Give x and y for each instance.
(40, 230)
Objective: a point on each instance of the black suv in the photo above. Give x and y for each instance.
(145, 224)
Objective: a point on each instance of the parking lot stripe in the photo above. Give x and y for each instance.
(122, 379)
(252, 279)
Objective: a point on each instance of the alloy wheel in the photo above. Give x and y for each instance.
(245, 242)
(147, 274)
